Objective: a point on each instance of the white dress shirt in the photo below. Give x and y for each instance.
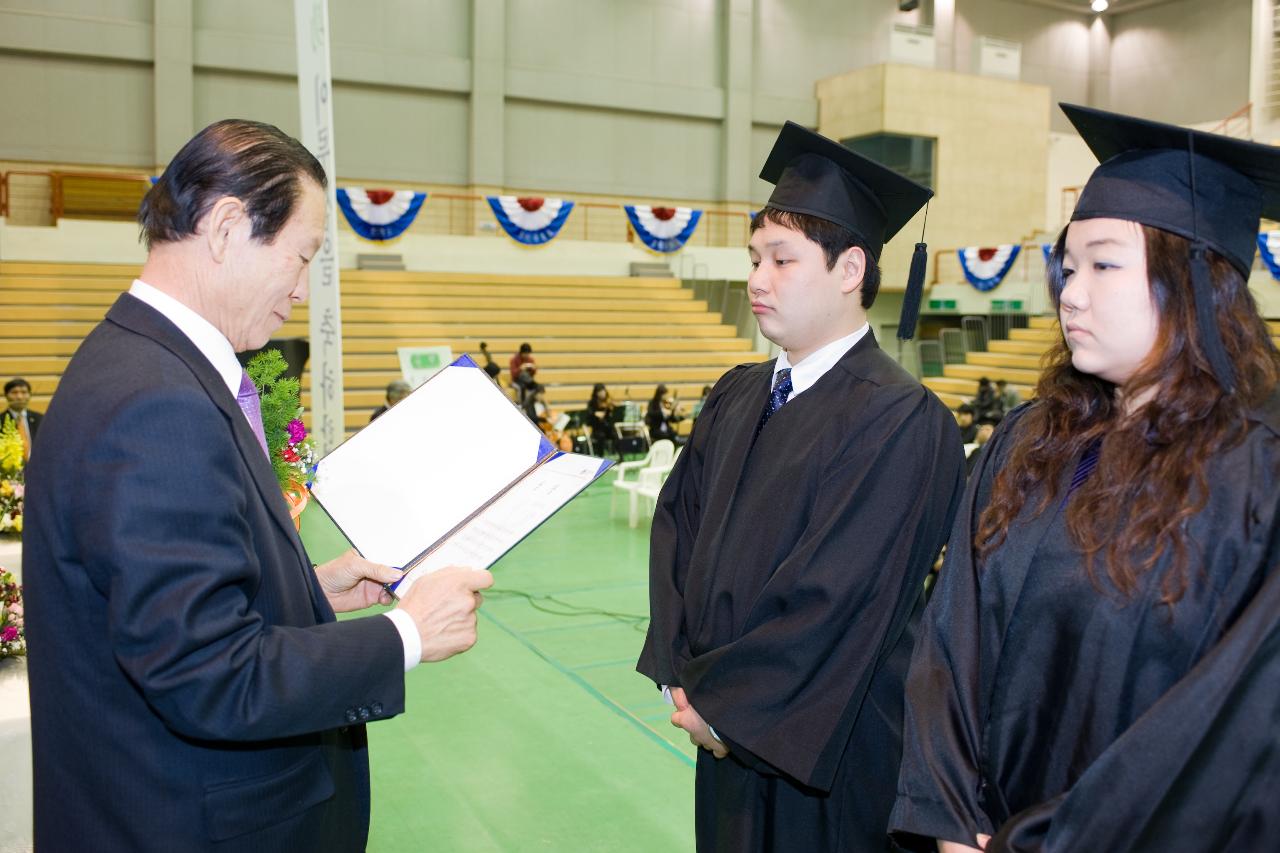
(214, 346)
(817, 363)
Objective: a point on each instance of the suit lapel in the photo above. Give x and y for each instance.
(138, 317)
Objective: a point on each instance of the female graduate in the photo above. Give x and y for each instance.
(1098, 586)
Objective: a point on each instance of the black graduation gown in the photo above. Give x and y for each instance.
(1069, 719)
(785, 584)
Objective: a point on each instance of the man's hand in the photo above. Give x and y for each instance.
(443, 605)
(956, 847)
(351, 582)
(685, 717)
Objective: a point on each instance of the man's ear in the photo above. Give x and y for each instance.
(220, 224)
(853, 269)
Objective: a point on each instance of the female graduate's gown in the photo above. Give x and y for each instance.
(1060, 715)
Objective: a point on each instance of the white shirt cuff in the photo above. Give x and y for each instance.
(408, 635)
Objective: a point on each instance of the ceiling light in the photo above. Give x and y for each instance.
(1099, 5)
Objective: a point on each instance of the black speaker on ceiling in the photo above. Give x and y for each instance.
(908, 5)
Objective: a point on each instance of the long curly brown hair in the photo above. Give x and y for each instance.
(1154, 458)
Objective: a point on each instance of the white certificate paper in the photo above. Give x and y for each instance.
(454, 460)
(501, 525)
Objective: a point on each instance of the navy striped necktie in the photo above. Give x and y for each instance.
(778, 396)
(1084, 468)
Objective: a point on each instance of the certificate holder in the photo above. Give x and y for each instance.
(454, 474)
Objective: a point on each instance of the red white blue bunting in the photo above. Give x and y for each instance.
(663, 229)
(984, 267)
(531, 221)
(1269, 248)
(1047, 250)
(379, 214)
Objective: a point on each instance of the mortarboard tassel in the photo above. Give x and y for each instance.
(915, 293)
(915, 286)
(1202, 288)
(1210, 339)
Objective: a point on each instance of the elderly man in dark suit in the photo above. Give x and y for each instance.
(190, 687)
(17, 394)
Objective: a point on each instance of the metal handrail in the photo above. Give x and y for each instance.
(58, 199)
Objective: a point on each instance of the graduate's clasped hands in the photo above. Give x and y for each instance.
(687, 718)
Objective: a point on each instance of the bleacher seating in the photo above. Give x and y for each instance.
(1017, 361)
(630, 333)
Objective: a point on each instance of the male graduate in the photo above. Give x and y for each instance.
(792, 539)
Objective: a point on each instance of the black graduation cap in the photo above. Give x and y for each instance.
(1210, 189)
(820, 177)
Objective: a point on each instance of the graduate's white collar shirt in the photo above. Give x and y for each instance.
(813, 368)
(214, 346)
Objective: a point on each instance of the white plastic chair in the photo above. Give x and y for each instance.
(649, 487)
(660, 453)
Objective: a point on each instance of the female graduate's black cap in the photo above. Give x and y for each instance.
(820, 177)
(1209, 189)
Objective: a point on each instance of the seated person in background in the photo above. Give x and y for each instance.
(986, 401)
(986, 427)
(600, 417)
(702, 401)
(964, 419)
(523, 370)
(541, 413)
(490, 366)
(17, 392)
(535, 404)
(1008, 399)
(663, 415)
(396, 391)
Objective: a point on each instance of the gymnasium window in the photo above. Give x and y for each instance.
(911, 156)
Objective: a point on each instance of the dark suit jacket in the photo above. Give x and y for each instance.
(33, 421)
(190, 688)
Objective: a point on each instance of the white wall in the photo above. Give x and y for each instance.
(76, 110)
(1182, 62)
(1070, 165)
(597, 151)
(672, 42)
(664, 98)
(1055, 45)
(799, 41)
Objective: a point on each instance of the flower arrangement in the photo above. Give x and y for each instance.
(13, 639)
(292, 454)
(11, 479)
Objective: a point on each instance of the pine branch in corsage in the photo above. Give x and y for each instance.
(292, 454)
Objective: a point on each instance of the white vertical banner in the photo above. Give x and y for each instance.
(315, 95)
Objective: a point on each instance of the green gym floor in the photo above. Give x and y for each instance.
(543, 736)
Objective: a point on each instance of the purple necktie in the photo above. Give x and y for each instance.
(252, 408)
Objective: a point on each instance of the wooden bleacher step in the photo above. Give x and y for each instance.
(383, 262)
(630, 332)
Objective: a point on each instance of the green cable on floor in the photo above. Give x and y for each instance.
(636, 621)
